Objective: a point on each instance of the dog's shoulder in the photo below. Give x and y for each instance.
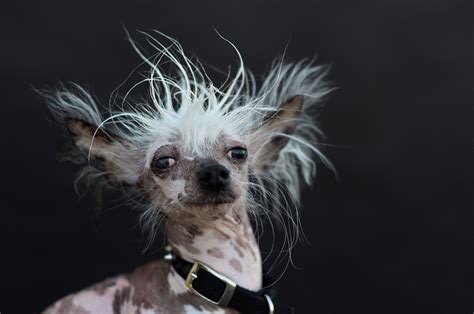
(101, 297)
(124, 293)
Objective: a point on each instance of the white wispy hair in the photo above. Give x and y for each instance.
(188, 106)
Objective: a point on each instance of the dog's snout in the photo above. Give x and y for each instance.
(214, 177)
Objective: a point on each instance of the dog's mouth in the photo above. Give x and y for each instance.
(213, 198)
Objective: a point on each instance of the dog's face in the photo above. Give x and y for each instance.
(191, 178)
(184, 183)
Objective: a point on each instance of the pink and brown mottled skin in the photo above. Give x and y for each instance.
(228, 245)
(146, 290)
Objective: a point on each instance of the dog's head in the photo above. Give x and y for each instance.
(193, 148)
(200, 168)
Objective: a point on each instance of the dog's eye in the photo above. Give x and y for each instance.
(238, 153)
(164, 163)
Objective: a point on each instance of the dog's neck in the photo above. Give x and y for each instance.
(227, 245)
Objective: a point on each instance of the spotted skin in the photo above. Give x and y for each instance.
(227, 244)
(157, 288)
(152, 288)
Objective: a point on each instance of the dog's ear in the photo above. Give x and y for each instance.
(274, 133)
(104, 150)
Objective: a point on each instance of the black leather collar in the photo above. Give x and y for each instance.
(217, 289)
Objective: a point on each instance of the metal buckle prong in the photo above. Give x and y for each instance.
(229, 284)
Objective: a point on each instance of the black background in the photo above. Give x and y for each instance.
(393, 235)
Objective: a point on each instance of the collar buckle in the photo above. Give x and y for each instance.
(226, 294)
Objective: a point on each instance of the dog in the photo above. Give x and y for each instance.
(208, 159)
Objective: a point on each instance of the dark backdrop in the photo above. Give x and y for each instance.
(395, 234)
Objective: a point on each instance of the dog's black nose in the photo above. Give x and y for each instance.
(214, 177)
